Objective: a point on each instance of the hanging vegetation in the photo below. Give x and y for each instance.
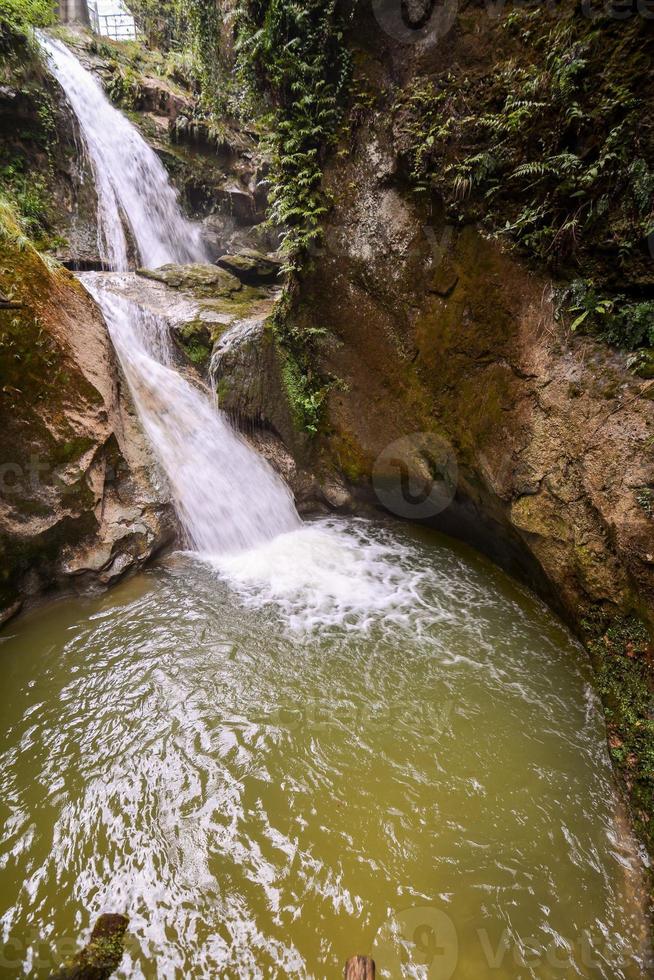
(204, 27)
(552, 150)
(17, 17)
(291, 55)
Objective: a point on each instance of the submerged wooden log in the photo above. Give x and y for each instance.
(360, 968)
(103, 953)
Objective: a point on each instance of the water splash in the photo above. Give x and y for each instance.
(328, 574)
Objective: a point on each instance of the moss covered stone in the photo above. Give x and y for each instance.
(252, 266)
(197, 339)
(206, 281)
(102, 956)
(622, 652)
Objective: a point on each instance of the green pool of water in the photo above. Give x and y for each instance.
(361, 739)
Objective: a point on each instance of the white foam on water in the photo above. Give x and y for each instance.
(327, 573)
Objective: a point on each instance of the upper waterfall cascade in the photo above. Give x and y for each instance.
(227, 497)
(132, 185)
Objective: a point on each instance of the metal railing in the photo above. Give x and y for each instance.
(117, 26)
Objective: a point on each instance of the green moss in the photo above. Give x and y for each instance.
(102, 955)
(105, 953)
(305, 387)
(198, 354)
(222, 389)
(39, 384)
(622, 654)
(245, 302)
(305, 399)
(203, 281)
(349, 457)
(66, 452)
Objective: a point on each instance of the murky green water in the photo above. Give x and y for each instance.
(365, 740)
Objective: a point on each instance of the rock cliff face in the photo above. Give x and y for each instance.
(81, 502)
(432, 329)
(422, 326)
(552, 434)
(41, 166)
(419, 326)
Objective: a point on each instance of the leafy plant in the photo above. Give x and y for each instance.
(29, 195)
(124, 86)
(550, 148)
(159, 20)
(205, 25)
(619, 320)
(291, 55)
(18, 17)
(587, 303)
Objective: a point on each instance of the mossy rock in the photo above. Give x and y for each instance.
(642, 363)
(197, 339)
(101, 957)
(621, 651)
(202, 281)
(244, 303)
(251, 266)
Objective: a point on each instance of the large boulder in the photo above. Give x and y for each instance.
(81, 499)
(199, 302)
(200, 280)
(251, 266)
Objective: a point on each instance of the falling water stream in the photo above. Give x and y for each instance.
(296, 741)
(227, 498)
(131, 183)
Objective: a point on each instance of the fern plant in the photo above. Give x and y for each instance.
(290, 54)
(551, 149)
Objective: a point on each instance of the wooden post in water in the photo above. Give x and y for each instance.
(102, 955)
(360, 968)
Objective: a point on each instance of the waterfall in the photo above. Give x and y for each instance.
(131, 183)
(227, 498)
